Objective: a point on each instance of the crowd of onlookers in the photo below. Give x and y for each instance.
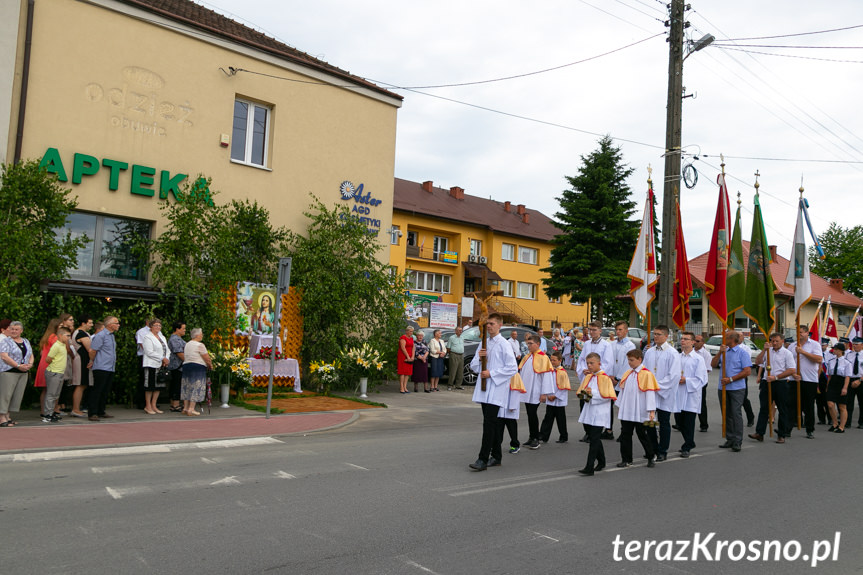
(76, 366)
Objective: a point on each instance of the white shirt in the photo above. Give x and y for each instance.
(536, 384)
(705, 355)
(596, 411)
(501, 366)
(510, 410)
(664, 362)
(689, 394)
(853, 356)
(543, 345)
(808, 368)
(838, 366)
(606, 356)
(632, 403)
(779, 362)
(560, 397)
(193, 352)
(139, 339)
(516, 347)
(620, 347)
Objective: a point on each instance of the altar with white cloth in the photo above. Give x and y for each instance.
(285, 370)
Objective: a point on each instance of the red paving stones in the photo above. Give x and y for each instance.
(105, 434)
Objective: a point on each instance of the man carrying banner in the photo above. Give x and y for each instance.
(811, 358)
(776, 366)
(738, 366)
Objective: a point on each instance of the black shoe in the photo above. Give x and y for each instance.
(750, 423)
(661, 457)
(725, 445)
(599, 466)
(607, 435)
(703, 430)
(561, 441)
(860, 426)
(839, 430)
(684, 454)
(586, 471)
(585, 439)
(493, 462)
(623, 464)
(736, 447)
(809, 435)
(832, 429)
(532, 444)
(478, 465)
(675, 428)
(651, 462)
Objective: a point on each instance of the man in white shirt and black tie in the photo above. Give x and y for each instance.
(782, 365)
(855, 390)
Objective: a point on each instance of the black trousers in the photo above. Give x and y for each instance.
(175, 383)
(702, 417)
(747, 405)
(626, 429)
(808, 391)
(511, 426)
(780, 399)
(596, 453)
(687, 428)
(855, 394)
(532, 421)
(98, 396)
(554, 413)
(492, 432)
(821, 400)
(661, 441)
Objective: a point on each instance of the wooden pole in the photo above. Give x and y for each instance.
(769, 393)
(799, 409)
(722, 380)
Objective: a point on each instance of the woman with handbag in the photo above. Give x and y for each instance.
(155, 360)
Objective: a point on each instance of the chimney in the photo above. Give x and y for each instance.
(525, 217)
(837, 283)
(427, 186)
(773, 255)
(520, 209)
(457, 192)
(507, 206)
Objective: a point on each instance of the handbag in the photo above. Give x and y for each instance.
(163, 376)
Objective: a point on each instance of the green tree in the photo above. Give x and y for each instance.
(843, 250)
(591, 256)
(32, 207)
(349, 296)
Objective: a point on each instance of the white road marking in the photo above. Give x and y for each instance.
(284, 475)
(545, 536)
(210, 461)
(135, 449)
(121, 492)
(357, 466)
(230, 480)
(418, 566)
(112, 468)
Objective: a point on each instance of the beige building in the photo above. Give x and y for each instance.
(129, 100)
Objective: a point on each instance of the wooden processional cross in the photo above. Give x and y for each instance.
(482, 297)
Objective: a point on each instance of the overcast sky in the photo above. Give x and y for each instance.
(747, 105)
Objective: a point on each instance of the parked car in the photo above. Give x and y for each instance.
(713, 343)
(635, 333)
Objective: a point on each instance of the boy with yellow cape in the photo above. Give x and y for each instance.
(636, 406)
(597, 391)
(555, 403)
(538, 377)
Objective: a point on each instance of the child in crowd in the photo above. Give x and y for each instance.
(635, 406)
(54, 374)
(596, 390)
(555, 404)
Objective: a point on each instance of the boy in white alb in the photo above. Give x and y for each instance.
(596, 390)
(693, 377)
(636, 405)
(555, 403)
(538, 377)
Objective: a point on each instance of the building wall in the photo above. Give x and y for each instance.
(459, 237)
(113, 83)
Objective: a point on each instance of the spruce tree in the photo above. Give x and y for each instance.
(591, 256)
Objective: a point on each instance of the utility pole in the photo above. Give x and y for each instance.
(671, 183)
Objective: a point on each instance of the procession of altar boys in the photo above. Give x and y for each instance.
(650, 387)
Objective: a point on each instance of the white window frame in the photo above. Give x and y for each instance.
(528, 250)
(476, 248)
(503, 252)
(505, 286)
(395, 234)
(530, 286)
(556, 300)
(250, 134)
(440, 244)
(428, 281)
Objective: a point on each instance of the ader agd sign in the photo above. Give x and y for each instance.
(142, 181)
(361, 210)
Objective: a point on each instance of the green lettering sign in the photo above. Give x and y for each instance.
(83, 165)
(142, 176)
(115, 167)
(53, 164)
(168, 184)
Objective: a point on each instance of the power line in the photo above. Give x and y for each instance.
(820, 161)
(718, 43)
(790, 55)
(793, 35)
(614, 16)
(640, 11)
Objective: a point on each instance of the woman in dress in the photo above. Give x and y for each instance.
(16, 360)
(556, 341)
(838, 372)
(196, 362)
(80, 360)
(156, 356)
(577, 346)
(567, 349)
(421, 368)
(405, 358)
(437, 351)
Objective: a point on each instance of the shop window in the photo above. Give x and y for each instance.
(250, 137)
(108, 254)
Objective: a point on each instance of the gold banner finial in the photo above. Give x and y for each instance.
(757, 185)
(722, 164)
(801, 185)
(649, 176)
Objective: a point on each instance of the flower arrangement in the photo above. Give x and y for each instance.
(325, 373)
(364, 360)
(266, 352)
(226, 362)
(242, 373)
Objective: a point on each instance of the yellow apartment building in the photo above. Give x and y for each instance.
(448, 241)
(129, 100)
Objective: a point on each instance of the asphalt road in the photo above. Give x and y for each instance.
(392, 493)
